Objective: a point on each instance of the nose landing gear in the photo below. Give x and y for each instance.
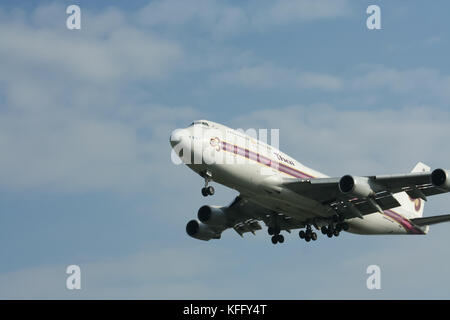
(207, 190)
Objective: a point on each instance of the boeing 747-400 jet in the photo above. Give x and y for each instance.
(286, 195)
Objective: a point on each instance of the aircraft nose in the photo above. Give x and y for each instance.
(175, 137)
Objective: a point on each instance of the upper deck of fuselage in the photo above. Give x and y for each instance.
(248, 139)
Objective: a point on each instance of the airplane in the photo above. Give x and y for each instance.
(285, 195)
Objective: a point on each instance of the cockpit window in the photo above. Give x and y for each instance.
(203, 123)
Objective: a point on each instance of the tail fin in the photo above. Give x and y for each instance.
(414, 207)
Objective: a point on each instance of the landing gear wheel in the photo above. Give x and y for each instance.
(270, 231)
(336, 233)
(274, 239)
(345, 226)
(207, 190)
(210, 190)
(314, 236)
(280, 238)
(329, 234)
(307, 238)
(309, 232)
(302, 234)
(324, 230)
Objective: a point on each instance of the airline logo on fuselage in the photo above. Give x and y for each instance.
(281, 158)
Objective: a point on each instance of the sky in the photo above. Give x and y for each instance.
(86, 176)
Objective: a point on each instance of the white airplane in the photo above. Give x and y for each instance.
(286, 195)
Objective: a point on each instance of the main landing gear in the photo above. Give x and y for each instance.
(334, 229)
(276, 236)
(207, 190)
(336, 225)
(308, 235)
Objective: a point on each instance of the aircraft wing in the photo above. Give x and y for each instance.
(243, 215)
(358, 196)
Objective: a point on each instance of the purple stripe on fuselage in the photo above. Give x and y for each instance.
(405, 223)
(264, 160)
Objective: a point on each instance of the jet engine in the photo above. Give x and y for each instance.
(213, 216)
(439, 178)
(358, 186)
(201, 231)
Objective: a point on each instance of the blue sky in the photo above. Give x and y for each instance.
(85, 116)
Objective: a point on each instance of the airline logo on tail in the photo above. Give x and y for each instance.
(417, 203)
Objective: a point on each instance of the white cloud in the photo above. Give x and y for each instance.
(221, 18)
(97, 53)
(151, 274)
(69, 150)
(415, 85)
(214, 16)
(293, 11)
(265, 76)
(434, 40)
(72, 119)
(420, 82)
(311, 80)
(198, 270)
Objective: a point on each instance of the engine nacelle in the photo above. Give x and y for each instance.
(201, 231)
(213, 216)
(358, 186)
(439, 178)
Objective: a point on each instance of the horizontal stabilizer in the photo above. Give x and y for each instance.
(430, 220)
